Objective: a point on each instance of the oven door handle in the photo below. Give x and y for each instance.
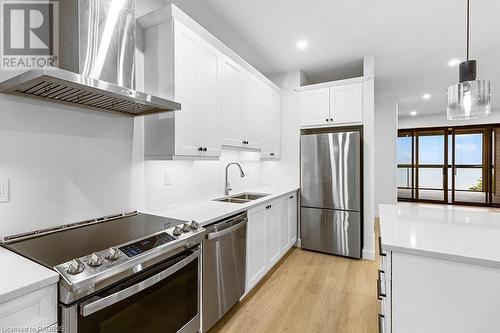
(214, 235)
(92, 305)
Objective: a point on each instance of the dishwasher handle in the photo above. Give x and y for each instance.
(217, 234)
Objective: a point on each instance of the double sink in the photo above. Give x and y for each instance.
(242, 198)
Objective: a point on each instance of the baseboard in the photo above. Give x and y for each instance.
(368, 254)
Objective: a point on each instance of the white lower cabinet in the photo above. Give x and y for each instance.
(270, 234)
(273, 249)
(426, 294)
(256, 246)
(292, 209)
(32, 312)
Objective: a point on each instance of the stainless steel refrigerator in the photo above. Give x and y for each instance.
(331, 213)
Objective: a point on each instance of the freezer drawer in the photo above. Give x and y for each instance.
(330, 165)
(331, 231)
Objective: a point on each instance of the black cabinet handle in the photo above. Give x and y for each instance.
(326, 119)
(379, 286)
(272, 154)
(331, 119)
(380, 253)
(268, 207)
(200, 149)
(205, 149)
(292, 197)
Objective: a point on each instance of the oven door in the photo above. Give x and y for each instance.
(164, 298)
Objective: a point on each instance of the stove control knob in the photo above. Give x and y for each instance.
(75, 267)
(112, 254)
(95, 260)
(177, 231)
(186, 227)
(194, 225)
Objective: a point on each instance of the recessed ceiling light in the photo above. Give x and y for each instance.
(426, 96)
(302, 44)
(453, 62)
(413, 113)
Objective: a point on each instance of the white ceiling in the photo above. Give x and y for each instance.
(411, 40)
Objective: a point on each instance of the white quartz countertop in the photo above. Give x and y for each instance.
(206, 211)
(470, 235)
(20, 276)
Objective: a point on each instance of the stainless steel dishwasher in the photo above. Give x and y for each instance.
(224, 261)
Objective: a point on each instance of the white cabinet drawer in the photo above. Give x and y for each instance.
(32, 312)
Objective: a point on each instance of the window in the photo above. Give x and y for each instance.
(454, 165)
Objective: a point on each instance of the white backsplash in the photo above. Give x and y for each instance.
(65, 164)
(199, 179)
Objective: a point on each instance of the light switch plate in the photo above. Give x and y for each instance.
(167, 176)
(4, 190)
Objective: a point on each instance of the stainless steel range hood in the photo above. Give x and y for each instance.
(96, 62)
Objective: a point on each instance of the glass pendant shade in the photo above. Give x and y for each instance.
(468, 100)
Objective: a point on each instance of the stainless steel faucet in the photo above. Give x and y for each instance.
(228, 187)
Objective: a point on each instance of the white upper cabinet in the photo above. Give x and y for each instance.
(211, 100)
(241, 107)
(270, 123)
(346, 103)
(180, 65)
(315, 107)
(222, 97)
(252, 112)
(339, 104)
(188, 83)
(232, 100)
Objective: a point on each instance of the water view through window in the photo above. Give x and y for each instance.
(448, 165)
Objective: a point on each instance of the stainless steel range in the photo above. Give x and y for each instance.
(125, 273)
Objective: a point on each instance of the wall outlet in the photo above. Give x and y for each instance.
(4, 190)
(167, 178)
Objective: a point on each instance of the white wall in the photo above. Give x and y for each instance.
(437, 120)
(65, 164)
(199, 179)
(385, 154)
(369, 157)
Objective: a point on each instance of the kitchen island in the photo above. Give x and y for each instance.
(440, 269)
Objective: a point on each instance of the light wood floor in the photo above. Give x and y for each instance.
(309, 292)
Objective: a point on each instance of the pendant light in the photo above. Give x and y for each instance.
(470, 98)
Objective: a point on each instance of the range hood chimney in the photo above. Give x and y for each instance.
(96, 62)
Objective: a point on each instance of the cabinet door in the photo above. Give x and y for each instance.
(256, 246)
(232, 122)
(270, 123)
(251, 112)
(273, 233)
(346, 103)
(187, 87)
(30, 312)
(292, 218)
(210, 100)
(315, 107)
(284, 226)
